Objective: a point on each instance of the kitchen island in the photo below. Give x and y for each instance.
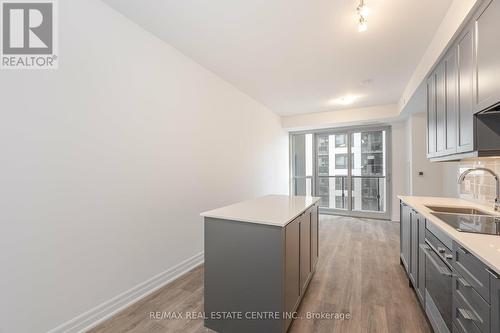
(259, 258)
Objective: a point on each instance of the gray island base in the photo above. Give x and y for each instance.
(259, 258)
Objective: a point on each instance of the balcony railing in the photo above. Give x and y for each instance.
(369, 190)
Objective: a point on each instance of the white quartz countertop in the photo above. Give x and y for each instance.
(276, 210)
(485, 247)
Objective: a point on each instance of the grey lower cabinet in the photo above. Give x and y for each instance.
(301, 257)
(314, 235)
(412, 256)
(256, 269)
(292, 267)
(495, 303)
(475, 288)
(308, 240)
(414, 249)
(412, 236)
(475, 294)
(405, 237)
(305, 251)
(420, 274)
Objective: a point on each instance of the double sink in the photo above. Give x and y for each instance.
(468, 219)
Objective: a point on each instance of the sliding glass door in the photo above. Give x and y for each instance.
(348, 169)
(302, 164)
(369, 171)
(332, 170)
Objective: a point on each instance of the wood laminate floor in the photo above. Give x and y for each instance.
(358, 273)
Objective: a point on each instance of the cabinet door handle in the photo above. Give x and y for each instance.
(449, 256)
(440, 269)
(492, 273)
(464, 283)
(441, 249)
(467, 315)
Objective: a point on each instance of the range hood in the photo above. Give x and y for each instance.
(487, 132)
(495, 109)
(486, 137)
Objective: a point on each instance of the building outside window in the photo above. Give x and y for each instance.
(341, 161)
(341, 141)
(349, 171)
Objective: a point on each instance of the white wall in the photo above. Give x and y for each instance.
(399, 167)
(106, 163)
(450, 179)
(431, 183)
(455, 18)
(479, 187)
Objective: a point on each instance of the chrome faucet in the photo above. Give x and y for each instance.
(497, 197)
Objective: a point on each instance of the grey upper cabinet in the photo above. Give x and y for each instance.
(465, 142)
(450, 116)
(431, 116)
(451, 100)
(465, 82)
(440, 109)
(487, 55)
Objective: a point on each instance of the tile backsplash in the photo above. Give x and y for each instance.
(479, 186)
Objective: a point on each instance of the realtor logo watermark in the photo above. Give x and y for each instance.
(29, 34)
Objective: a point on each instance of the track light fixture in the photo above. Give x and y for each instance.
(363, 12)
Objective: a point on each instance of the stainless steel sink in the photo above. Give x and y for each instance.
(481, 224)
(457, 210)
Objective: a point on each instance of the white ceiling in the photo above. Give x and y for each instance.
(296, 56)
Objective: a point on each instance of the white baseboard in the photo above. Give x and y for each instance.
(107, 309)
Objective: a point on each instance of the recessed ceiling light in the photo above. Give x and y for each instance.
(346, 100)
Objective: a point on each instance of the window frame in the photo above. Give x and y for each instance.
(387, 162)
